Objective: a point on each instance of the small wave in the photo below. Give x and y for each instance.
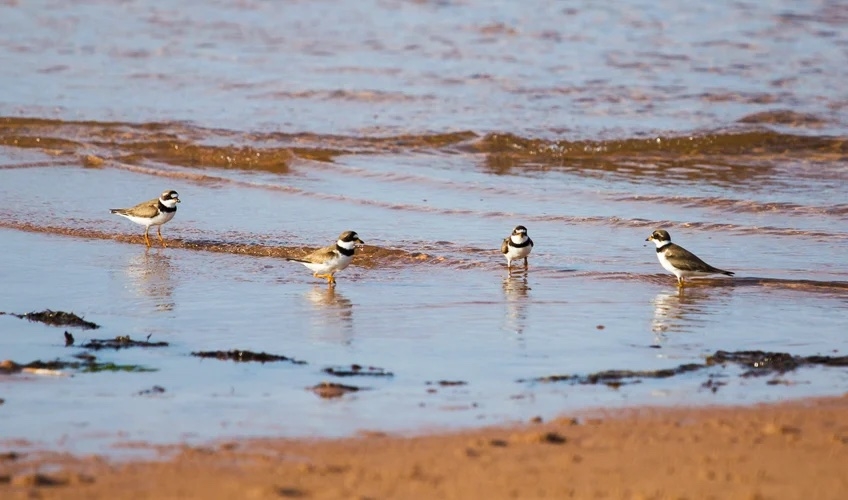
(724, 283)
(721, 158)
(368, 96)
(40, 164)
(784, 117)
(183, 144)
(752, 143)
(369, 256)
(739, 206)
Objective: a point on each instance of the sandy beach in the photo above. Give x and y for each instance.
(789, 450)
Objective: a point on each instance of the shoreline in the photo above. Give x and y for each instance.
(781, 450)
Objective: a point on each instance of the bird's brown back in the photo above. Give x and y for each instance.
(144, 209)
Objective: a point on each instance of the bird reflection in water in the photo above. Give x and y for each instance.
(683, 310)
(149, 275)
(516, 292)
(333, 320)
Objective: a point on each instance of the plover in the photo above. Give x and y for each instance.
(679, 261)
(327, 261)
(516, 246)
(152, 213)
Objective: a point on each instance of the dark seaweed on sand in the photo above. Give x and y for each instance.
(448, 383)
(121, 342)
(759, 363)
(86, 365)
(357, 371)
(57, 318)
(245, 356)
(156, 389)
(765, 363)
(616, 378)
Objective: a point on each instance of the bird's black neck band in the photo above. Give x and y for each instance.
(166, 208)
(344, 251)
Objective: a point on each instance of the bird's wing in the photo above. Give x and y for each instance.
(685, 260)
(319, 256)
(505, 245)
(145, 209)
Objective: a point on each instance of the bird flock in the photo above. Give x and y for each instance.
(327, 261)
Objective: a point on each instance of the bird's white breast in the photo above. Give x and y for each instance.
(336, 263)
(518, 252)
(159, 219)
(667, 265)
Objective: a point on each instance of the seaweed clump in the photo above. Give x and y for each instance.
(241, 356)
(759, 363)
(358, 371)
(57, 318)
(120, 342)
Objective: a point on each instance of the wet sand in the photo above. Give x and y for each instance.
(790, 450)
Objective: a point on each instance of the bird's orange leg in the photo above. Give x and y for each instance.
(146, 237)
(159, 232)
(329, 277)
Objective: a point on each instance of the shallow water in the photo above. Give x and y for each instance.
(431, 128)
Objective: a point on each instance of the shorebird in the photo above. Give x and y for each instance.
(679, 261)
(327, 261)
(516, 246)
(154, 212)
